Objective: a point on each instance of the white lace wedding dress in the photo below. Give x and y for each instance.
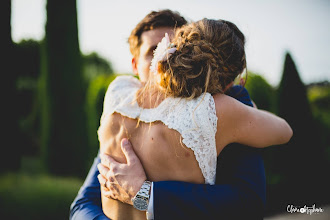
(194, 119)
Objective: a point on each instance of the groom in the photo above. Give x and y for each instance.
(239, 192)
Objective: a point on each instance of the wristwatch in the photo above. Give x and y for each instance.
(141, 199)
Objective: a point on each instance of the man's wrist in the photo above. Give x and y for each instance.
(141, 199)
(136, 188)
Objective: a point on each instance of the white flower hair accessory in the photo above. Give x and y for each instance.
(161, 53)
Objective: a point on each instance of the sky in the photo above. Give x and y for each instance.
(271, 28)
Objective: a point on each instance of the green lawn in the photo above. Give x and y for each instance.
(28, 196)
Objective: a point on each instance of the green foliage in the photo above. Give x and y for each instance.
(28, 69)
(94, 107)
(94, 65)
(319, 98)
(27, 55)
(62, 93)
(34, 197)
(260, 92)
(321, 106)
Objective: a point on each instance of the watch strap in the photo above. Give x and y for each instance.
(141, 199)
(145, 189)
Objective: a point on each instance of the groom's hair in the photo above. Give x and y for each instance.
(153, 20)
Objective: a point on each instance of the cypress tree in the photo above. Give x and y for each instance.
(11, 149)
(62, 92)
(298, 160)
(293, 103)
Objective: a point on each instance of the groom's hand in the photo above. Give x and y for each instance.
(121, 181)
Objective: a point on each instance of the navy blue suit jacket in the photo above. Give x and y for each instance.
(239, 192)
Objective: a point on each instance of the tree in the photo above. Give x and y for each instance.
(300, 160)
(260, 92)
(94, 66)
(11, 149)
(27, 57)
(62, 92)
(94, 108)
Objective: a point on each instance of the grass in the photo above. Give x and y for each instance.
(36, 196)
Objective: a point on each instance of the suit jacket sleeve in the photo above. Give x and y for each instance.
(87, 204)
(239, 192)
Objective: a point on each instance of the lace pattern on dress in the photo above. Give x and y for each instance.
(194, 119)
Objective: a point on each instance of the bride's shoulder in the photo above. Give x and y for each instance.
(120, 87)
(122, 82)
(222, 99)
(225, 104)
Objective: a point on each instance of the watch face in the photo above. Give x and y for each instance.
(140, 204)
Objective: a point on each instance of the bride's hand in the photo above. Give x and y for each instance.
(121, 181)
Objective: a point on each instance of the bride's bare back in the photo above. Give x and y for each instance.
(162, 154)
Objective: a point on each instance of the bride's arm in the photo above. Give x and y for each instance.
(245, 125)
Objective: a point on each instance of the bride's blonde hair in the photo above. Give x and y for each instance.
(210, 55)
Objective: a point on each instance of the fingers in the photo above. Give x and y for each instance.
(109, 194)
(107, 160)
(102, 180)
(106, 173)
(114, 192)
(128, 151)
(103, 170)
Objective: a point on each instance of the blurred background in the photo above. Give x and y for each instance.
(60, 56)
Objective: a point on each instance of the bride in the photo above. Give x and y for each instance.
(181, 120)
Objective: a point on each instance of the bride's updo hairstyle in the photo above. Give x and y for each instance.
(209, 56)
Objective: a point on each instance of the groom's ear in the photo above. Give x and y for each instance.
(134, 66)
